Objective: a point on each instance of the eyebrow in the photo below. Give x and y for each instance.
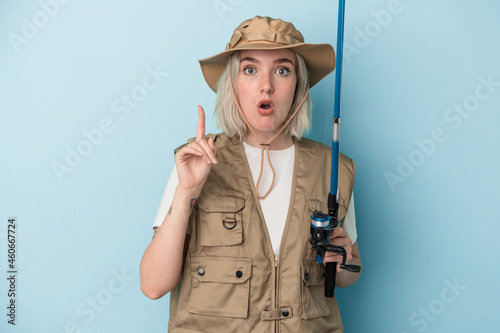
(277, 61)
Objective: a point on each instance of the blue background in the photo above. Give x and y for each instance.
(427, 176)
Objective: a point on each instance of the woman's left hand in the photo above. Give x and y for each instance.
(339, 238)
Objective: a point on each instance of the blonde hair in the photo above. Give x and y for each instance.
(228, 118)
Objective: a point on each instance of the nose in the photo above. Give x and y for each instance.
(266, 84)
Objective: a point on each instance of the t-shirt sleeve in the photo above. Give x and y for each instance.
(167, 198)
(350, 221)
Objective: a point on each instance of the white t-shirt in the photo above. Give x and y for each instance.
(275, 205)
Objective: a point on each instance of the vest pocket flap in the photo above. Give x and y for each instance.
(220, 221)
(220, 286)
(221, 270)
(317, 202)
(220, 203)
(312, 273)
(321, 203)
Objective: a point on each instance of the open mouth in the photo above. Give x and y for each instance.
(266, 106)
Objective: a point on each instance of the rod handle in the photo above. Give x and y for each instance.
(330, 272)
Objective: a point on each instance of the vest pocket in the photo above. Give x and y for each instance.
(220, 286)
(313, 290)
(221, 221)
(319, 202)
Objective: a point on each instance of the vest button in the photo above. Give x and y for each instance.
(239, 274)
(201, 272)
(285, 313)
(306, 276)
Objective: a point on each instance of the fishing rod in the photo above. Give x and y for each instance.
(323, 224)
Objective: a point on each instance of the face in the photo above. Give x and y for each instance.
(266, 87)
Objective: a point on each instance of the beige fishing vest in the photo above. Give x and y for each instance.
(231, 281)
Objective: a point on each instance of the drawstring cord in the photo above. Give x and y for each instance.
(264, 146)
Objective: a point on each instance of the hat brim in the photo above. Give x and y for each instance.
(319, 58)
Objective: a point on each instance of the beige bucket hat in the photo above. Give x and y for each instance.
(265, 33)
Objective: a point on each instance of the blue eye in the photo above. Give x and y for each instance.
(283, 71)
(249, 70)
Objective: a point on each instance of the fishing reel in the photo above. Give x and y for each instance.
(321, 229)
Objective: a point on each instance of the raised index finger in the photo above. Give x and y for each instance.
(200, 128)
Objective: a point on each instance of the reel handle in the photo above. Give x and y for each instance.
(351, 268)
(331, 269)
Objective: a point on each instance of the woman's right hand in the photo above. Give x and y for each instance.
(194, 161)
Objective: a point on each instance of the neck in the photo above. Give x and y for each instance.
(280, 142)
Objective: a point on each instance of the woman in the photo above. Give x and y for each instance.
(245, 197)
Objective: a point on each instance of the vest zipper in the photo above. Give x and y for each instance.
(276, 290)
(277, 287)
(259, 208)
